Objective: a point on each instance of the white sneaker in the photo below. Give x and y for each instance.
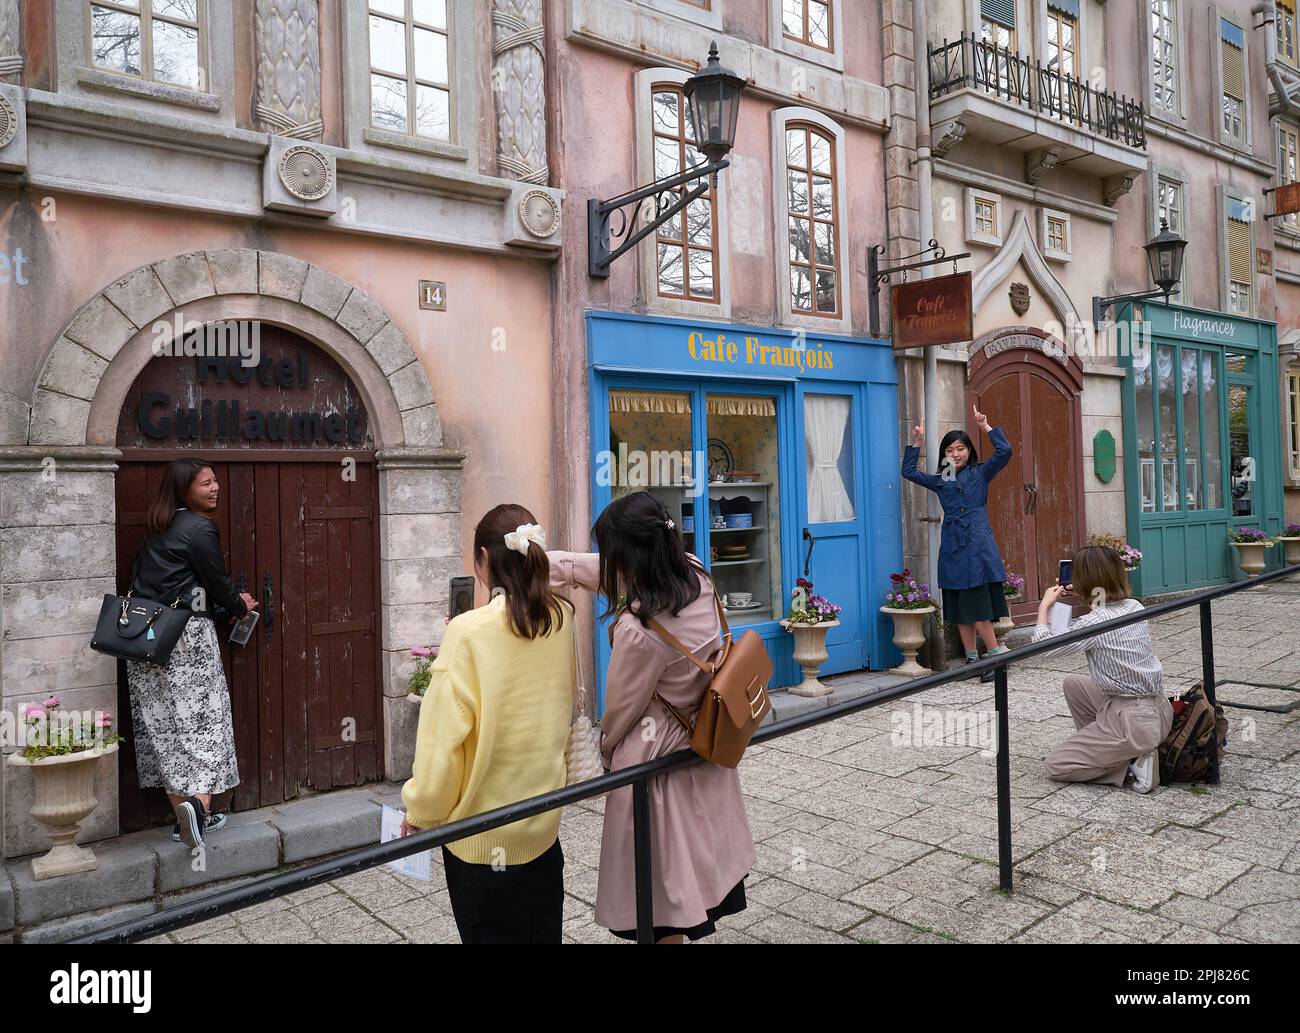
(1145, 772)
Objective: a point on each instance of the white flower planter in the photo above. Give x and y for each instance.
(909, 636)
(65, 796)
(1003, 628)
(810, 653)
(1250, 556)
(1292, 547)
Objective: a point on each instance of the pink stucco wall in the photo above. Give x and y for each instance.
(493, 402)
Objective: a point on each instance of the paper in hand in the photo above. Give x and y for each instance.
(1059, 619)
(417, 866)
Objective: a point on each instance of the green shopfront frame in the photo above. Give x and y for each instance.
(1202, 442)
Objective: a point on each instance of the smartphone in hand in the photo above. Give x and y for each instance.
(243, 629)
(460, 596)
(1065, 574)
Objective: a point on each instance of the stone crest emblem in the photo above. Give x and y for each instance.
(539, 213)
(305, 173)
(1019, 298)
(8, 122)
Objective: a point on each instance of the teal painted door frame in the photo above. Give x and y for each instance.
(1187, 548)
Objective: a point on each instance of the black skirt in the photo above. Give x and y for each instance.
(521, 903)
(987, 602)
(732, 904)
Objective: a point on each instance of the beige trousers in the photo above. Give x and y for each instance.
(1112, 732)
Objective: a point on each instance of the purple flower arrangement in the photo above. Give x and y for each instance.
(1292, 531)
(1250, 536)
(52, 733)
(809, 608)
(1014, 585)
(1130, 556)
(905, 593)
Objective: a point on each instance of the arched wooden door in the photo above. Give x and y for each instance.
(1036, 505)
(299, 529)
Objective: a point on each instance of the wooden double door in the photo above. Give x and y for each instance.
(1036, 504)
(302, 538)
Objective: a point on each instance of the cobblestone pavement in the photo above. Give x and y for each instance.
(861, 838)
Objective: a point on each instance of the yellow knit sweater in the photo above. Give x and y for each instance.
(494, 724)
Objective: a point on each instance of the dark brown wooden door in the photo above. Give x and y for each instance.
(1034, 505)
(304, 691)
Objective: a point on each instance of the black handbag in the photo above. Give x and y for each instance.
(134, 628)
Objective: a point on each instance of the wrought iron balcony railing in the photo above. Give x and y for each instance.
(971, 63)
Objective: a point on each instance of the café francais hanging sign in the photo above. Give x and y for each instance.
(932, 312)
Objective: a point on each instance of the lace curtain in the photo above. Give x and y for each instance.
(826, 422)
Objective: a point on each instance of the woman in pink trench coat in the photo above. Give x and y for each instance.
(701, 846)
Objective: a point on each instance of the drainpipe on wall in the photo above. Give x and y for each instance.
(1286, 83)
(925, 213)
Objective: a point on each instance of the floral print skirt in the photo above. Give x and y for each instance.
(184, 736)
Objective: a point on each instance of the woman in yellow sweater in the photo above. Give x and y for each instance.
(493, 729)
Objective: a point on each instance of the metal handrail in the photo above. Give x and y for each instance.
(223, 901)
(969, 62)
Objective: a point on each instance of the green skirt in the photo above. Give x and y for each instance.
(987, 602)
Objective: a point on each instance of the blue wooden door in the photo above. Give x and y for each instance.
(831, 542)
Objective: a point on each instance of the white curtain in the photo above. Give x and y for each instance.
(1189, 372)
(1207, 372)
(1165, 366)
(825, 421)
(1142, 367)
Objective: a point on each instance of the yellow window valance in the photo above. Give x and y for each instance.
(740, 405)
(649, 401)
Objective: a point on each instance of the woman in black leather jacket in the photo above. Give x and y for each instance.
(184, 736)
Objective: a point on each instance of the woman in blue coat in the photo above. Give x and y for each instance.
(970, 567)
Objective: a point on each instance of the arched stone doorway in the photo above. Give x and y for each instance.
(1022, 379)
(57, 487)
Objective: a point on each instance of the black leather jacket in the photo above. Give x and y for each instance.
(185, 556)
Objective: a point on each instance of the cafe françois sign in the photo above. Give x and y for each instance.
(931, 312)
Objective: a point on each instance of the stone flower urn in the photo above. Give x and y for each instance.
(909, 636)
(1003, 628)
(810, 653)
(1250, 556)
(65, 796)
(1292, 546)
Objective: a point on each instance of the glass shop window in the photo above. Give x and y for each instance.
(744, 510)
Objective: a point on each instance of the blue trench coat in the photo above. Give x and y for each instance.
(968, 553)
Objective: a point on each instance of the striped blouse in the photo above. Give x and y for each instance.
(1121, 661)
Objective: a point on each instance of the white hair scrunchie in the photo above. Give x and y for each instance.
(522, 536)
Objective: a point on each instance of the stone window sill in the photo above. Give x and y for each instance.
(400, 141)
(164, 92)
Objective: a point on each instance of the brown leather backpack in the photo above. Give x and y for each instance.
(1199, 732)
(736, 700)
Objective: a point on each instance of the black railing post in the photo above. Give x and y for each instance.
(1004, 777)
(641, 851)
(1207, 679)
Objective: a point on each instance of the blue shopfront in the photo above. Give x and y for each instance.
(776, 452)
(1202, 443)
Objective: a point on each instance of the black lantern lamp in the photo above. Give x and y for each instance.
(712, 106)
(1165, 259)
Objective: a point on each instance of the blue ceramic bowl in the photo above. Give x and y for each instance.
(740, 520)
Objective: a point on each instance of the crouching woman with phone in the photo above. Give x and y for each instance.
(1119, 708)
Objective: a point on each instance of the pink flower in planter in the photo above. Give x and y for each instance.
(33, 710)
(104, 721)
(53, 701)
(422, 651)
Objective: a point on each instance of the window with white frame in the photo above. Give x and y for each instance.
(1293, 420)
(1232, 68)
(1164, 56)
(1288, 162)
(983, 217)
(1285, 29)
(810, 22)
(812, 220)
(686, 246)
(1169, 203)
(809, 207)
(410, 88)
(1240, 255)
(1054, 234)
(156, 40)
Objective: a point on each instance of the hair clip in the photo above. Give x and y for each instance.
(669, 523)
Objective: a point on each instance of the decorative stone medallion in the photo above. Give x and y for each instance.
(8, 122)
(1020, 298)
(539, 213)
(305, 173)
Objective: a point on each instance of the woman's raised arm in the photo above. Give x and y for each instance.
(575, 570)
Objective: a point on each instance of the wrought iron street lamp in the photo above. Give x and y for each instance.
(1165, 259)
(712, 105)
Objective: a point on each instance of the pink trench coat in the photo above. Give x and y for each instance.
(701, 845)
